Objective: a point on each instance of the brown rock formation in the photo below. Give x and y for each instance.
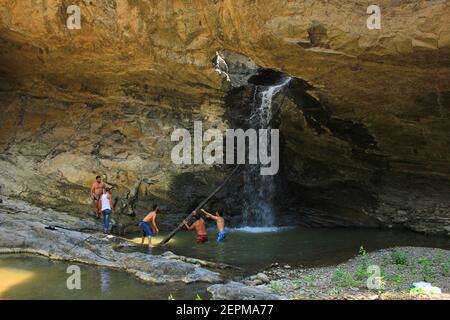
(366, 134)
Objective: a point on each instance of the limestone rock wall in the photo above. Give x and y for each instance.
(105, 98)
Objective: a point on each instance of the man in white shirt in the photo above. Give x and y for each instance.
(106, 207)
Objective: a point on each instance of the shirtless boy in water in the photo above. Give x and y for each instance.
(200, 228)
(148, 225)
(217, 217)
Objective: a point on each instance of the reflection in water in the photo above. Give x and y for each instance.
(10, 277)
(155, 240)
(221, 251)
(30, 277)
(104, 280)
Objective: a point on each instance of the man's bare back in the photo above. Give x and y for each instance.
(200, 227)
(151, 220)
(149, 217)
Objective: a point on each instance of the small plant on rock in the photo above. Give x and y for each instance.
(362, 251)
(426, 269)
(444, 264)
(343, 278)
(397, 280)
(276, 286)
(399, 258)
(361, 272)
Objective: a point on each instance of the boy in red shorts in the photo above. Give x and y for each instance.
(200, 228)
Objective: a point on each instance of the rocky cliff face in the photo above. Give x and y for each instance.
(365, 125)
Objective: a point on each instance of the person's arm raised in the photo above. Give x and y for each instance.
(209, 215)
(189, 227)
(205, 212)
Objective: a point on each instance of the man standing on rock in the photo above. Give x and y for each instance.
(148, 225)
(106, 206)
(217, 217)
(97, 189)
(200, 228)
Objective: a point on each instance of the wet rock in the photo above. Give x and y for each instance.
(239, 291)
(263, 277)
(274, 265)
(254, 282)
(79, 239)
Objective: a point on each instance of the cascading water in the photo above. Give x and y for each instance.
(259, 189)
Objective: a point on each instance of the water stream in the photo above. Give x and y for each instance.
(259, 190)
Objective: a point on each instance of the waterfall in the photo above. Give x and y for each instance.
(258, 189)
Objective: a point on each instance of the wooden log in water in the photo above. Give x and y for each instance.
(201, 205)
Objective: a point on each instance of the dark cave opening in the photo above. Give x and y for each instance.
(310, 191)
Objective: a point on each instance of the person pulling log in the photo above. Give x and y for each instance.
(199, 226)
(201, 205)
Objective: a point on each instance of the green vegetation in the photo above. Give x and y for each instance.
(361, 272)
(343, 278)
(397, 279)
(416, 291)
(398, 269)
(399, 258)
(444, 264)
(445, 268)
(276, 286)
(306, 281)
(362, 251)
(309, 280)
(426, 269)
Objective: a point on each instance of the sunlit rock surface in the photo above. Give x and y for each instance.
(24, 229)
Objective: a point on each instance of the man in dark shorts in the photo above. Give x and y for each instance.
(97, 189)
(200, 228)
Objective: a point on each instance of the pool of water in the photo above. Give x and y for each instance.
(30, 277)
(256, 248)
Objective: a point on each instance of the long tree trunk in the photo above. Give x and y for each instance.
(201, 205)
